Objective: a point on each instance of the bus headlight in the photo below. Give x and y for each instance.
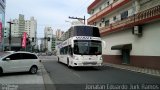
(76, 58)
(101, 58)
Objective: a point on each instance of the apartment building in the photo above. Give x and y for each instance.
(21, 25)
(15, 28)
(48, 34)
(130, 29)
(59, 33)
(31, 29)
(29, 26)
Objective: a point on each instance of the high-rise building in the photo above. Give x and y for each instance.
(2, 22)
(29, 26)
(2, 12)
(59, 33)
(53, 42)
(48, 34)
(42, 45)
(21, 24)
(15, 28)
(130, 29)
(31, 29)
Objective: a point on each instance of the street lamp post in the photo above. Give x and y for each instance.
(10, 23)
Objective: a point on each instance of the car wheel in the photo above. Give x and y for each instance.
(33, 70)
(1, 71)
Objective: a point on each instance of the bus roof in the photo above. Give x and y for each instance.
(84, 25)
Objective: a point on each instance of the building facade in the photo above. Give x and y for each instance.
(2, 22)
(130, 29)
(53, 43)
(6, 32)
(48, 34)
(59, 33)
(21, 25)
(29, 26)
(15, 29)
(2, 11)
(42, 45)
(31, 29)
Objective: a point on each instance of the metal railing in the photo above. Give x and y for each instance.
(106, 9)
(139, 18)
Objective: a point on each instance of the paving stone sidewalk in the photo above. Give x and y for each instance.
(135, 69)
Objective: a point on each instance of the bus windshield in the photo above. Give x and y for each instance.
(86, 31)
(87, 47)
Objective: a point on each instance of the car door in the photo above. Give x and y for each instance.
(28, 61)
(12, 63)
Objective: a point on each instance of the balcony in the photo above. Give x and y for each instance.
(137, 19)
(107, 10)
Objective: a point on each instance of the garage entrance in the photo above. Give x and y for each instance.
(125, 49)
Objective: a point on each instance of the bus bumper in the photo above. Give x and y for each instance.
(86, 64)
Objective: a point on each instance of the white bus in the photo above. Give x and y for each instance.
(82, 46)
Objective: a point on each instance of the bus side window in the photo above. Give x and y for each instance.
(70, 50)
(61, 51)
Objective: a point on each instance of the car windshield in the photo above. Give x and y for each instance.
(84, 47)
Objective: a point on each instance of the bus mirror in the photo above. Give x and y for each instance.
(103, 44)
(72, 44)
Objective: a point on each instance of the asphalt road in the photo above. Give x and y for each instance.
(65, 78)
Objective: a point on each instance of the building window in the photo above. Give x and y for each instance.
(100, 8)
(106, 22)
(115, 0)
(108, 3)
(100, 24)
(124, 15)
(95, 23)
(114, 18)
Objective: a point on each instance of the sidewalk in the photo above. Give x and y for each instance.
(135, 69)
(48, 83)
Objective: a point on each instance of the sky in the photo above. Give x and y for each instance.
(52, 13)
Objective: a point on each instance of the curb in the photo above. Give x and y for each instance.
(135, 69)
(49, 85)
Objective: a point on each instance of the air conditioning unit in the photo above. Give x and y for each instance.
(137, 30)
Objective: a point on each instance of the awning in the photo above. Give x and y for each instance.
(122, 47)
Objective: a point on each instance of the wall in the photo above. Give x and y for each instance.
(145, 50)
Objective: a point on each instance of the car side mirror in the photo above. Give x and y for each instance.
(7, 59)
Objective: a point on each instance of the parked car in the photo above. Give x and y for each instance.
(19, 62)
(49, 53)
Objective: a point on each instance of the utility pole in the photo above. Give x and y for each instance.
(78, 18)
(10, 23)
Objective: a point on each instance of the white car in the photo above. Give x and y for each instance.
(19, 62)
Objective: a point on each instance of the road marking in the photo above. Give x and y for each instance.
(74, 73)
(77, 74)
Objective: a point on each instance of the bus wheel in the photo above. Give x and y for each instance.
(68, 63)
(58, 60)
